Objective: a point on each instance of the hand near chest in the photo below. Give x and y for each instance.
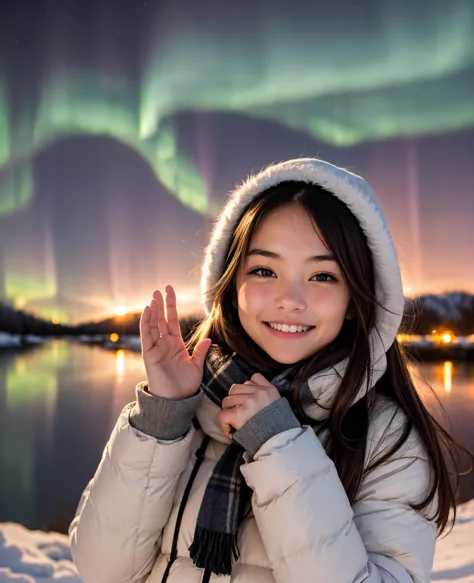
(244, 401)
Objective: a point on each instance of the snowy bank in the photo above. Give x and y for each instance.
(15, 340)
(454, 559)
(38, 557)
(32, 556)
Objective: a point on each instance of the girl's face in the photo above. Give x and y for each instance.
(292, 300)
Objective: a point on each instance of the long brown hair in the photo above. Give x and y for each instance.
(347, 423)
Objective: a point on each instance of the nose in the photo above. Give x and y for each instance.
(291, 298)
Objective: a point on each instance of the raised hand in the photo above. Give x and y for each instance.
(171, 372)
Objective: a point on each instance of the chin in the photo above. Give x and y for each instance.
(288, 359)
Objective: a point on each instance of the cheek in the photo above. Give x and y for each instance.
(252, 297)
(331, 303)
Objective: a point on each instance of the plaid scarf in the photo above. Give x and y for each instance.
(227, 495)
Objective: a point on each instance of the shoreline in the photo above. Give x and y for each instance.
(419, 348)
(454, 352)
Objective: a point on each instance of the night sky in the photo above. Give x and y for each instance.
(123, 124)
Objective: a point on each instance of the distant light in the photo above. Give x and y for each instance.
(114, 337)
(121, 311)
(434, 331)
(20, 303)
(447, 338)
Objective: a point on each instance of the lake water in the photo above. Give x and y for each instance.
(59, 403)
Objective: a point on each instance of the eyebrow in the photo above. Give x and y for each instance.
(272, 255)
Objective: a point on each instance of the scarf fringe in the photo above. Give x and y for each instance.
(214, 550)
(227, 495)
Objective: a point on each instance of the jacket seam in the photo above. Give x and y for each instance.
(321, 542)
(142, 509)
(298, 480)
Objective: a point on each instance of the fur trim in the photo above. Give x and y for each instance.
(360, 199)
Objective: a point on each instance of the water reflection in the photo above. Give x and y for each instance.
(29, 389)
(447, 388)
(448, 376)
(448, 381)
(59, 402)
(120, 364)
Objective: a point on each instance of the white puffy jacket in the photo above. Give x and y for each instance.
(303, 528)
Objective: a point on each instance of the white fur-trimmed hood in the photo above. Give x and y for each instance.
(360, 199)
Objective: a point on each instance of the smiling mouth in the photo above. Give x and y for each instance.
(289, 329)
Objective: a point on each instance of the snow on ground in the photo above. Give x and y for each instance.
(31, 556)
(454, 560)
(39, 557)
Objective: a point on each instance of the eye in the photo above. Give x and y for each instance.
(324, 277)
(262, 272)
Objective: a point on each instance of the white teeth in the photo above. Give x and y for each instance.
(290, 329)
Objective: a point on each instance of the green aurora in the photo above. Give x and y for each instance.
(413, 75)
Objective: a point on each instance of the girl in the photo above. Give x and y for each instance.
(285, 442)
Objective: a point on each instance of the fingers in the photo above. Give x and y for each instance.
(159, 325)
(229, 414)
(245, 389)
(224, 421)
(153, 322)
(163, 323)
(171, 311)
(259, 379)
(145, 334)
(233, 418)
(244, 402)
(234, 401)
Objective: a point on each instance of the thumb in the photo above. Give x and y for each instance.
(199, 353)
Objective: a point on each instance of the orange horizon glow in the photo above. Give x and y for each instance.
(189, 303)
